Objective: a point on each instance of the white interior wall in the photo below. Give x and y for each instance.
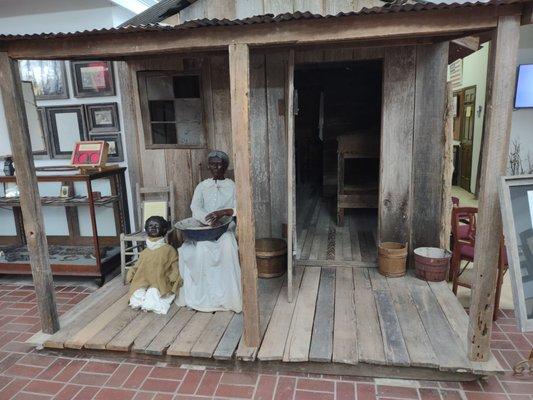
(75, 15)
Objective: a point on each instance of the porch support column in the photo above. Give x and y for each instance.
(500, 89)
(239, 71)
(30, 201)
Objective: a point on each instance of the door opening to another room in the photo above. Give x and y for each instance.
(337, 147)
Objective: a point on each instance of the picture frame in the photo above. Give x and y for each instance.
(89, 154)
(66, 126)
(115, 152)
(34, 119)
(102, 118)
(48, 77)
(92, 78)
(66, 191)
(516, 203)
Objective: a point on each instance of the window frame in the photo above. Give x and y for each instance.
(145, 110)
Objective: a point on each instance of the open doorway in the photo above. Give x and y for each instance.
(337, 147)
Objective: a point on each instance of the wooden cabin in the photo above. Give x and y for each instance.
(298, 101)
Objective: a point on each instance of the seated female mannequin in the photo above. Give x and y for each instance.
(210, 269)
(155, 278)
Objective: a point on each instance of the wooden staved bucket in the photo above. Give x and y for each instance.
(271, 255)
(392, 258)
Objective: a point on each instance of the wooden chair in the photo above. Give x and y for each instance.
(463, 246)
(150, 201)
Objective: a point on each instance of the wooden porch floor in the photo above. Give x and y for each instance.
(345, 321)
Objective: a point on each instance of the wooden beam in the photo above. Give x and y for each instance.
(500, 90)
(239, 68)
(30, 201)
(349, 29)
(428, 144)
(527, 14)
(469, 42)
(291, 175)
(447, 173)
(396, 138)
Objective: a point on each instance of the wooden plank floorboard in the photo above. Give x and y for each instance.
(102, 299)
(113, 328)
(230, 340)
(418, 345)
(367, 244)
(125, 338)
(370, 342)
(273, 345)
(210, 337)
(299, 337)
(354, 238)
(189, 335)
(440, 333)
(168, 334)
(345, 343)
(146, 336)
(322, 338)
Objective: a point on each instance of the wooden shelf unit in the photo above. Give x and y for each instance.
(364, 194)
(101, 264)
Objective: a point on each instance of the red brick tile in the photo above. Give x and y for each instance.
(285, 388)
(68, 392)
(315, 385)
(366, 391)
(472, 386)
(520, 341)
(87, 393)
(448, 394)
(265, 387)
(429, 394)
(397, 392)
(69, 371)
(163, 396)
(4, 380)
(491, 384)
(190, 382)
(209, 383)
(12, 388)
(501, 345)
(9, 361)
(345, 391)
(84, 378)
(512, 356)
(137, 377)
(519, 387)
(168, 373)
(54, 368)
(519, 397)
(306, 395)
(234, 391)
(485, 396)
(160, 385)
(23, 371)
(30, 396)
(114, 394)
(501, 359)
(36, 360)
(100, 367)
(120, 375)
(144, 396)
(43, 387)
(239, 378)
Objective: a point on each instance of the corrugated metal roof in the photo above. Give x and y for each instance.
(157, 12)
(264, 19)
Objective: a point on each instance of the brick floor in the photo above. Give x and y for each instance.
(28, 374)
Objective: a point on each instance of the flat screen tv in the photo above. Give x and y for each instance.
(524, 87)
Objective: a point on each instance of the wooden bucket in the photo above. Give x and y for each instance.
(271, 255)
(392, 259)
(432, 263)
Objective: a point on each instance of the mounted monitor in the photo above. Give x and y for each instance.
(524, 87)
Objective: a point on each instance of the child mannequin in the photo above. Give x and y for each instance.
(155, 278)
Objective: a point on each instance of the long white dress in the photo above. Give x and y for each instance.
(210, 269)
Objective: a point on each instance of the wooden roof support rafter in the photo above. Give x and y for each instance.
(348, 30)
(30, 203)
(500, 90)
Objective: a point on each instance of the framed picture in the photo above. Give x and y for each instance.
(114, 142)
(66, 191)
(102, 118)
(516, 202)
(47, 77)
(92, 78)
(35, 126)
(89, 154)
(66, 126)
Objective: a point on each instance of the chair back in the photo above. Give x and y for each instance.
(464, 216)
(155, 200)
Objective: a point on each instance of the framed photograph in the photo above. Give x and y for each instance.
(90, 154)
(66, 191)
(92, 78)
(114, 143)
(102, 118)
(66, 126)
(516, 202)
(47, 77)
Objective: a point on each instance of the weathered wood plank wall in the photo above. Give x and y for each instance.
(428, 144)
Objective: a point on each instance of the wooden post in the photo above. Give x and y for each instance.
(291, 176)
(30, 201)
(502, 69)
(239, 69)
(447, 173)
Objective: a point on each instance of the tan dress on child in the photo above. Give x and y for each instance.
(155, 278)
